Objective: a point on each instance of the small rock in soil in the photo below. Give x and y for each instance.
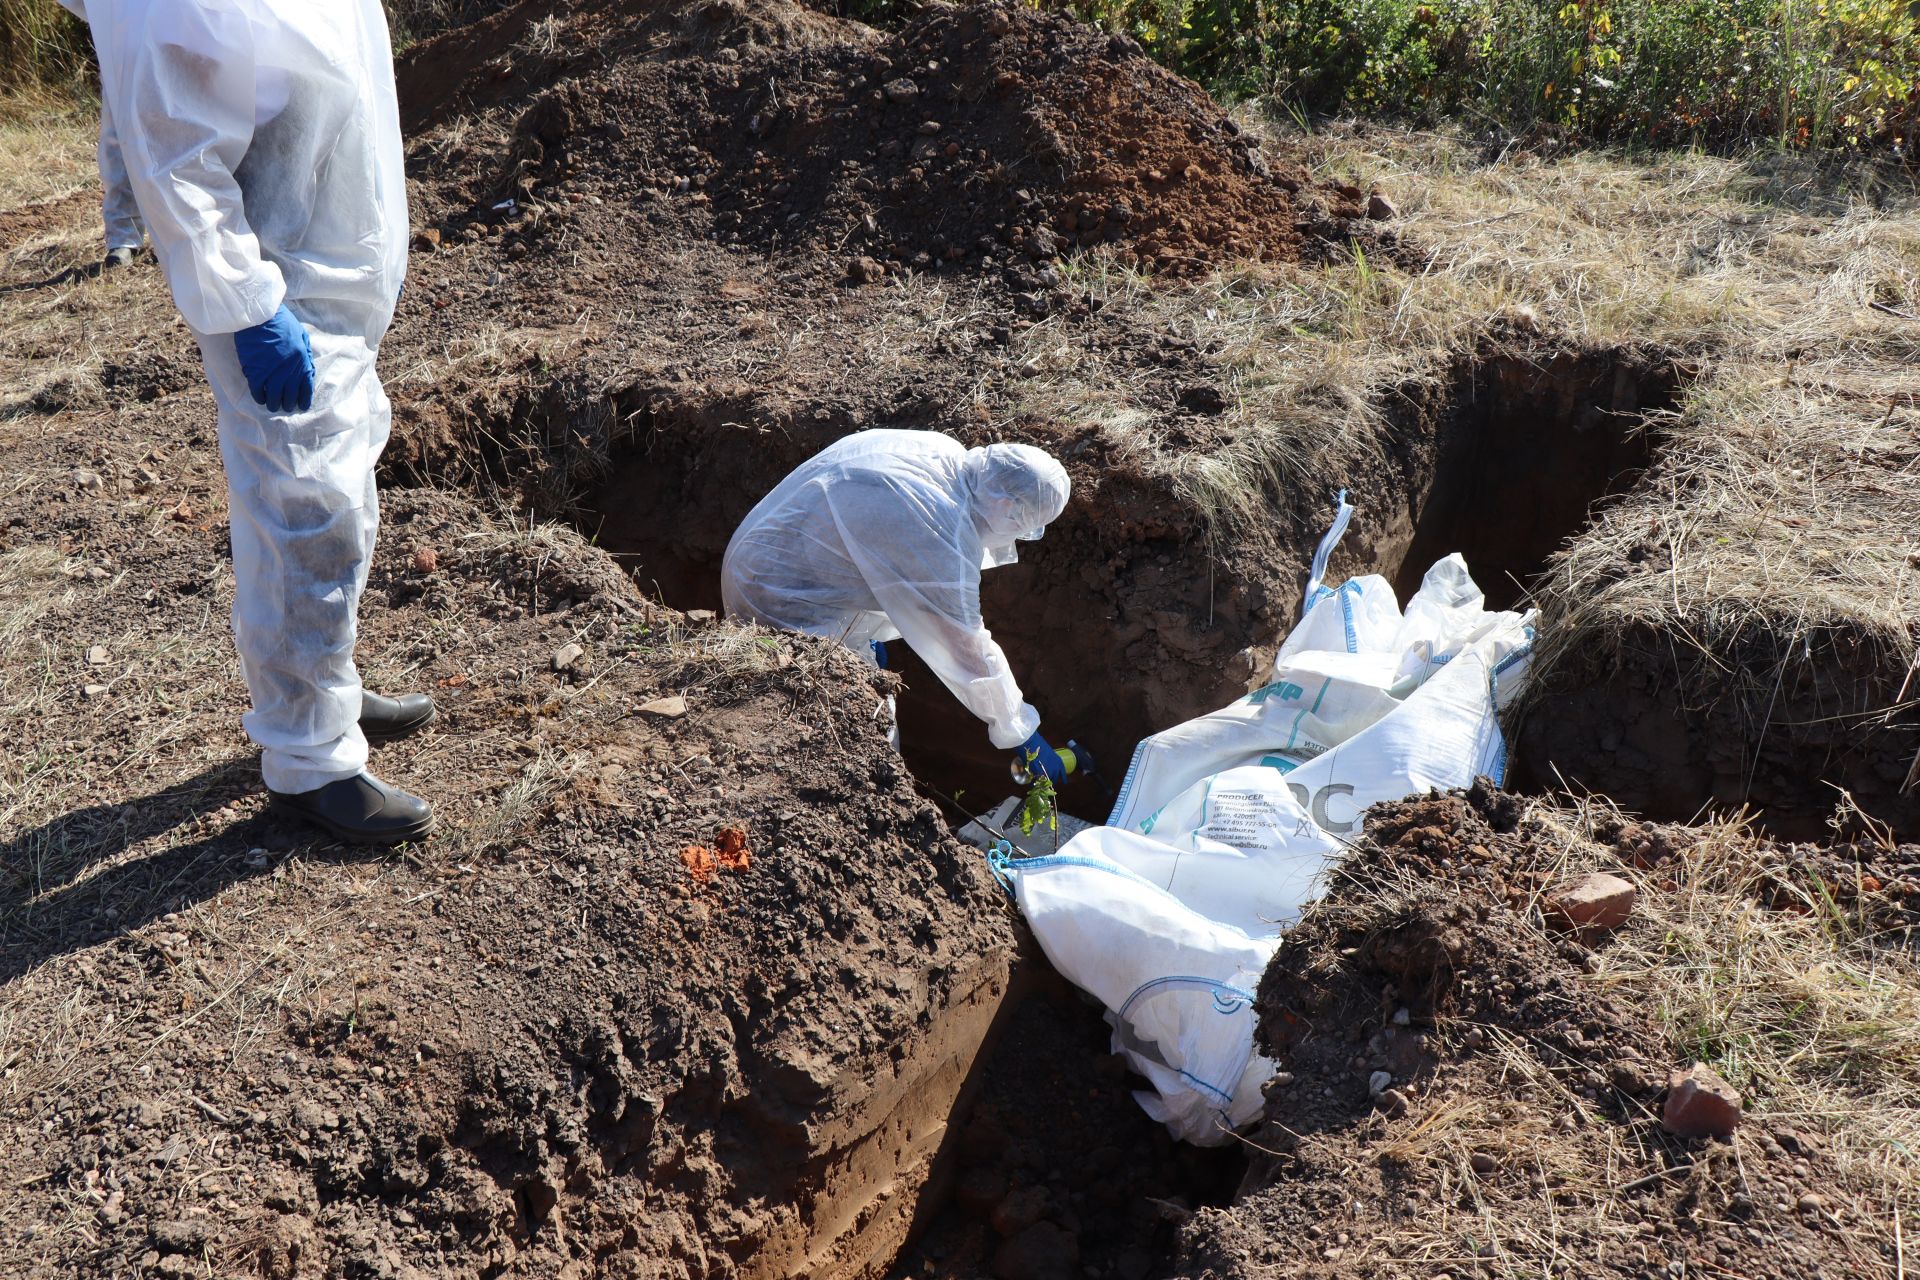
(1381, 209)
(97, 656)
(181, 1235)
(1019, 1210)
(672, 707)
(1700, 1104)
(980, 1189)
(1041, 1252)
(566, 655)
(1597, 901)
(1484, 1164)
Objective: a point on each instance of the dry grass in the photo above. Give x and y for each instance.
(1809, 1009)
(46, 151)
(1812, 1013)
(60, 325)
(1788, 502)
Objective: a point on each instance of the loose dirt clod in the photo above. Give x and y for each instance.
(1700, 1104)
(1596, 901)
(729, 852)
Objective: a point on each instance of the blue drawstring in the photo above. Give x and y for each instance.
(1000, 862)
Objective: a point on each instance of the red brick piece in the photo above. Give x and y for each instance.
(1597, 901)
(1700, 1104)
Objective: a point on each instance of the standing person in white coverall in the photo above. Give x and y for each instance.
(262, 140)
(118, 209)
(884, 534)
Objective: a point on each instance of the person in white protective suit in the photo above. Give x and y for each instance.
(884, 535)
(120, 213)
(262, 143)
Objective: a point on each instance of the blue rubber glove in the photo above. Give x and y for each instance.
(277, 359)
(1041, 758)
(879, 654)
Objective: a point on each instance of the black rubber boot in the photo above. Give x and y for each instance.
(361, 809)
(122, 257)
(387, 718)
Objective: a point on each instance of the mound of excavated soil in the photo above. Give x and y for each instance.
(631, 298)
(1519, 1132)
(989, 135)
(537, 1045)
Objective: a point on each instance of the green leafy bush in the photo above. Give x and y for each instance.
(43, 47)
(1804, 72)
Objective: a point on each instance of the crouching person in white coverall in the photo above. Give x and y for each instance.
(884, 535)
(262, 142)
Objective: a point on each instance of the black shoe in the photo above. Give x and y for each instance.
(361, 809)
(387, 718)
(121, 257)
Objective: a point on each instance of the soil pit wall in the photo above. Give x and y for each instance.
(1126, 618)
(1504, 461)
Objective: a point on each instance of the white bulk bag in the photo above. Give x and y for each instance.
(1225, 823)
(1178, 986)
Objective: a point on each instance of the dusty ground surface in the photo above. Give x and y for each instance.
(664, 252)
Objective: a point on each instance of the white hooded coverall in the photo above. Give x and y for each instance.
(262, 141)
(118, 209)
(883, 535)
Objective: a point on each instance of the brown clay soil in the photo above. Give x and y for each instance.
(982, 135)
(677, 249)
(537, 1045)
(710, 993)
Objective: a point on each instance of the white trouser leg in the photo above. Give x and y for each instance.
(304, 513)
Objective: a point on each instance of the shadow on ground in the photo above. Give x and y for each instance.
(53, 900)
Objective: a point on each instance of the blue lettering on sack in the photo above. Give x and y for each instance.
(1285, 690)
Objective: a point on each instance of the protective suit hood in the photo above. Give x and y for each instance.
(883, 534)
(1016, 491)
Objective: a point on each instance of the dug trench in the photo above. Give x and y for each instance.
(1132, 615)
(1008, 1141)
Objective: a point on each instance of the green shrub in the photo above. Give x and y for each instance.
(1817, 72)
(45, 48)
